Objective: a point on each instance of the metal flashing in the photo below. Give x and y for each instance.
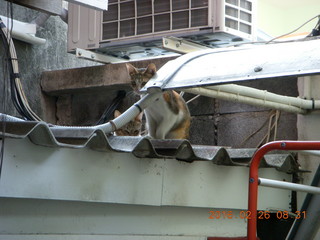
(237, 64)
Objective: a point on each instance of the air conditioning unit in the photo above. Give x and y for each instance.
(129, 25)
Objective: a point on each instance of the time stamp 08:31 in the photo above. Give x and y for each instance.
(260, 215)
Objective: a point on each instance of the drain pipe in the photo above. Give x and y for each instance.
(245, 99)
(267, 96)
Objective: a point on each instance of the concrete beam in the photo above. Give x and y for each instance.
(104, 77)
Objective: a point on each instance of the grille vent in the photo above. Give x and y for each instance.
(238, 15)
(139, 17)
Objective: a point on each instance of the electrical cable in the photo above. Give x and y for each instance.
(316, 30)
(6, 77)
(17, 94)
(283, 35)
(107, 114)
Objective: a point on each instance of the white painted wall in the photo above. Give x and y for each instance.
(62, 192)
(308, 127)
(277, 17)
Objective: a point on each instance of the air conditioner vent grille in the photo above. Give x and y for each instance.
(238, 15)
(127, 18)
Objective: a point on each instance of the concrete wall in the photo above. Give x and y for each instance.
(34, 59)
(308, 128)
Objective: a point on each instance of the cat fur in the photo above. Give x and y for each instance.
(168, 117)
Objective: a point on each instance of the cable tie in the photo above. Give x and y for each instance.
(313, 103)
(137, 105)
(114, 127)
(15, 75)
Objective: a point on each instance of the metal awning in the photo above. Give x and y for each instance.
(237, 64)
(40, 133)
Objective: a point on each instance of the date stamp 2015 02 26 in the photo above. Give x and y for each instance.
(260, 214)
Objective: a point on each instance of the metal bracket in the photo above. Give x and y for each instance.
(97, 57)
(181, 45)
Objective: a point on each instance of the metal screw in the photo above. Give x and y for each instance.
(258, 69)
(283, 144)
(251, 180)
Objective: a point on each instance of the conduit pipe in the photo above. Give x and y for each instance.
(120, 121)
(130, 113)
(265, 95)
(23, 31)
(245, 99)
(289, 186)
(311, 152)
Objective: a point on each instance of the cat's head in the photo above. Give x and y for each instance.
(140, 76)
(132, 128)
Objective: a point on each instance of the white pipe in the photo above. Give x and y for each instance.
(244, 99)
(29, 38)
(120, 121)
(311, 152)
(22, 31)
(289, 186)
(265, 95)
(130, 113)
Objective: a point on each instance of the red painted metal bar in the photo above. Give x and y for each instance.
(253, 175)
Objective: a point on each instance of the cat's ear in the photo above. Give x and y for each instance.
(139, 117)
(151, 69)
(131, 69)
(116, 113)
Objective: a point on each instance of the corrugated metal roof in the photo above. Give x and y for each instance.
(44, 134)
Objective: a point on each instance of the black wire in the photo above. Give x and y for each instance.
(107, 114)
(6, 77)
(16, 97)
(9, 68)
(316, 30)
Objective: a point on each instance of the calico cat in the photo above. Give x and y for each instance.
(132, 128)
(168, 117)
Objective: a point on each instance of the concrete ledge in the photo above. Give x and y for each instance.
(104, 77)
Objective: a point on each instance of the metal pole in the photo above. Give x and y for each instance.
(287, 185)
(253, 176)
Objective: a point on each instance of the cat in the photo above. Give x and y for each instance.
(168, 117)
(132, 128)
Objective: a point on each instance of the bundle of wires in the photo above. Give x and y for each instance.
(17, 94)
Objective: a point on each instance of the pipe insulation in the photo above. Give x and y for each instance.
(130, 113)
(267, 96)
(244, 99)
(118, 122)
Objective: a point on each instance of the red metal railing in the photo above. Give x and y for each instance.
(253, 175)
